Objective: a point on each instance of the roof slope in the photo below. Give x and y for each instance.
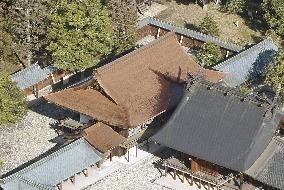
(56, 167)
(30, 76)
(189, 33)
(137, 81)
(90, 102)
(249, 63)
(269, 168)
(103, 137)
(217, 128)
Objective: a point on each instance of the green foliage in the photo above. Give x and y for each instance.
(245, 89)
(275, 37)
(27, 25)
(80, 33)
(124, 20)
(209, 54)
(13, 105)
(275, 74)
(209, 26)
(235, 6)
(8, 57)
(274, 15)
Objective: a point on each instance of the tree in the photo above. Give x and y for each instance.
(209, 54)
(274, 15)
(8, 59)
(275, 37)
(80, 33)
(209, 26)
(275, 74)
(235, 6)
(124, 20)
(27, 24)
(13, 105)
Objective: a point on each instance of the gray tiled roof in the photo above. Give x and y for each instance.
(189, 33)
(218, 128)
(56, 167)
(249, 63)
(269, 168)
(30, 76)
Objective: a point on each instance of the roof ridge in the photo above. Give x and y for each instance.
(186, 31)
(229, 91)
(245, 52)
(44, 159)
(133, 53)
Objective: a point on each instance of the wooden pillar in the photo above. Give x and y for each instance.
(199, 186)
(158, 34)
(175, 174)
(128, 155)
(183, 177)
(192, 180)
(209, 186)
(241, 180)
(110, 157)
(227, 53)
(166, 170)
(136, 151)
(181, 38)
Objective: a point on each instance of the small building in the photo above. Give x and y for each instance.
(248, 64)
(219, 133)
(60, 170)
(132, 91)
(33, 81)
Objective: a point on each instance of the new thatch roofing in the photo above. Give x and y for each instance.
(217, 125)
(91, 103)
(103, 137)
(141, 81)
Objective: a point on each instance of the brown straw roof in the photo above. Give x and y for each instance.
(103, 137)
(137, 81)
(92, 103)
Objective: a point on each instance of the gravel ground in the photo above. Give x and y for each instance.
(30, 137)
(139, 177)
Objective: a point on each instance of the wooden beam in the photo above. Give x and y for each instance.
(199, 186)
(175, 174)
(241, 181)
(182, 177)
(110, 156)
(192, 180)
(127, 155)
(136, 151)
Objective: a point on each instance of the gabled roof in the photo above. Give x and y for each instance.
(30, 76)
(190, 33)
(269, 167)
(141, 81)
(248, 63)
(214, 124)
(103, 137)
(91, 103)
(46, 173)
